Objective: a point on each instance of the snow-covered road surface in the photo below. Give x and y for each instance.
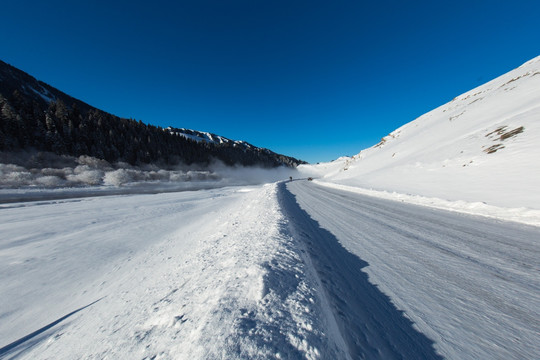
(470, 284)
(288, 270)
(193, 275)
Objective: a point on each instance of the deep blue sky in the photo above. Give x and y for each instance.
(311, 79)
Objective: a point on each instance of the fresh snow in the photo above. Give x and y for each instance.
(480, 148)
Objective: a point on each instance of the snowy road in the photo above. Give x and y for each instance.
(211, 274)
(288, 270)
(470, 284)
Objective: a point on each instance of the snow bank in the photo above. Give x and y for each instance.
(521, 215)
(189, 275)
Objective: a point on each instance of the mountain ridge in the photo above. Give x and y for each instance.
(38, 116)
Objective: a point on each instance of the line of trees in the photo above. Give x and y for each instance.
(66, 130)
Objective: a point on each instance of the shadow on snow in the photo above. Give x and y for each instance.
(33, 338)
(371, 326)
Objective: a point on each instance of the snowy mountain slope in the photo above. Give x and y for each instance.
(223, 142)
(36, 116)
(480, 147)
(201, 136)
(14, 80)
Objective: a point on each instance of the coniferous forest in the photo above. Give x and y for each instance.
(36, 116)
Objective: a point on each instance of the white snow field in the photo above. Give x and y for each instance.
(478, 153)
(189, 275)
(285, 270)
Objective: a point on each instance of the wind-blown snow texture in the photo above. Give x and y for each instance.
(479, 149)
(213, 274)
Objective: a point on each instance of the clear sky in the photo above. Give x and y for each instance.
(311, 79)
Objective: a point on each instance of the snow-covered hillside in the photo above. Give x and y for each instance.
(480, 147)
(202, 136)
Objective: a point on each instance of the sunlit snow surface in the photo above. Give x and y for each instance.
(204, 274)
(294, 269)
(479, 149)
(285, 270)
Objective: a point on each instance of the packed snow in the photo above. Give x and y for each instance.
(211, 274)
(284, 270)
(468, 284)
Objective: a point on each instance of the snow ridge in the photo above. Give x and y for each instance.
(366, 319)
(201, 136)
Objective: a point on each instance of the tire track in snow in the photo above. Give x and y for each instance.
(469, 283)
(370, 324)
